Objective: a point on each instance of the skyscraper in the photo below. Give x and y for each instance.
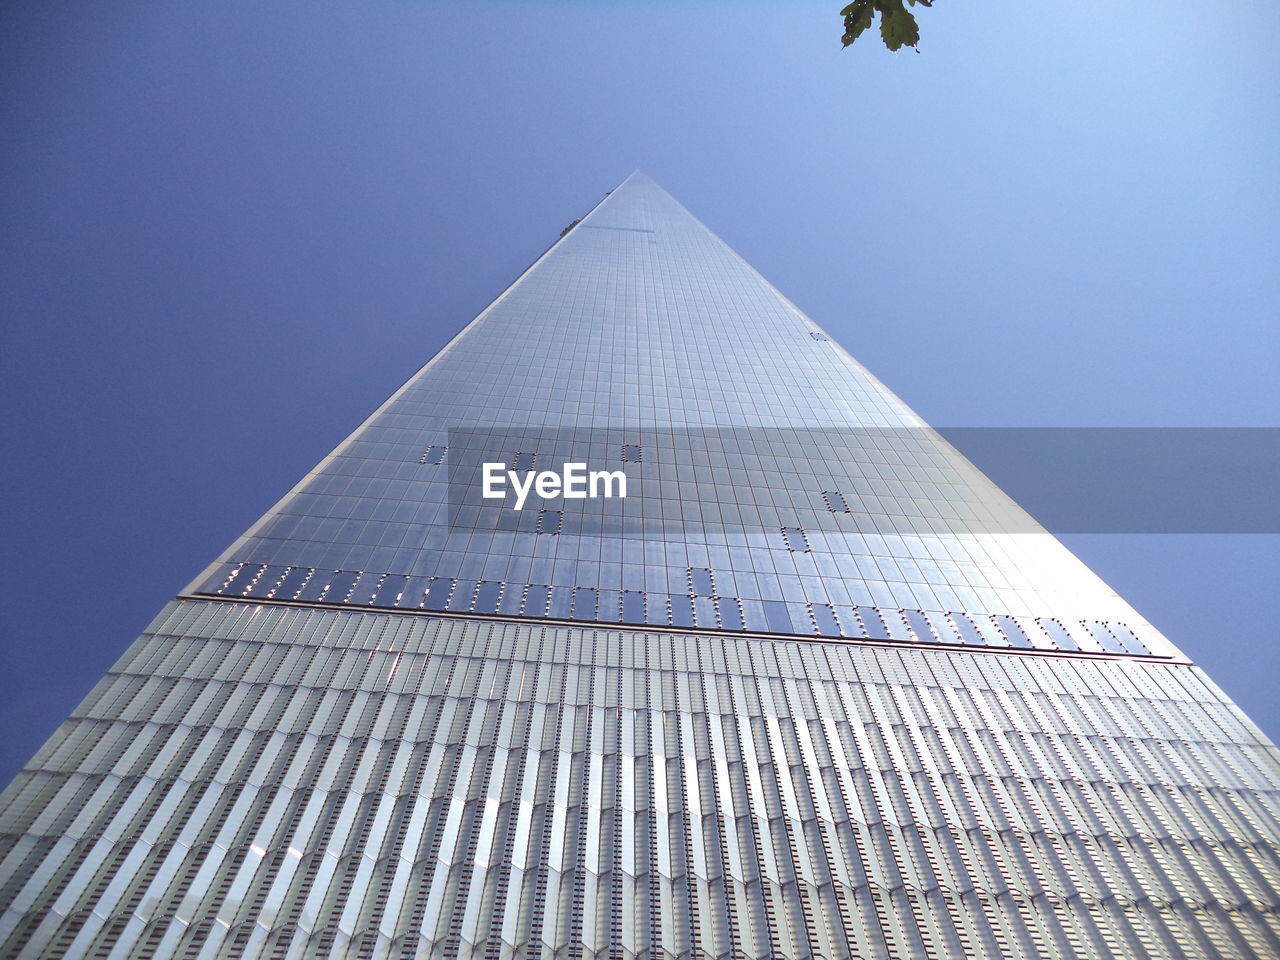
(813, 687)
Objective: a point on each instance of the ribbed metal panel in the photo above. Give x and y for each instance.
(276, 781)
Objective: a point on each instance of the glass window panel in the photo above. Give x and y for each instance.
(1035, 633)
(487, 594)
(990, 632)
(943, 628)
(341, 585)
(835, 501)
(632, 606)
(220, 578)
(964, 626)
(536, 600)
(512, 602)
(1061, 639)
(873, 623)
(1012, 632)
(315, 586)
(561, 602)
(584, 603)
(896, 625)
(462, 596)
(549, 521)
(681, 611)
(700, 579)
(753, 615)
(245, 580)
(777, 618)
(366, 588)
(1104, 636)
(292, 582)
(264, 584)
(1128, 639)
(825, 618)
(795, 539)
(920, 626)
(730, 613)
(389, 591)
(610, 606)
(438, 593)
(413, 592)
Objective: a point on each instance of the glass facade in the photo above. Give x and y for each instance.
(813, 688)
(641, 341)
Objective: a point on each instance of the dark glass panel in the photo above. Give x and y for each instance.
(968, 632)
(1061, 639)
(437, 595)
(388, 591)
(943, 628)
(536, 600)
(681, 611)
(561, 602)
(920, 626)
(512, 603)
(1128, 639)
(487, 595)
(291, 583)
(550, 521)
(316, 586)
(873, 623)
(700, 579)
(795, 539)
(1012, 632)
(835, 501)
(730, 613)
(584, 603)
(246, 580)
(825, 618)
(265, 584)
(632, 606)
(1104, 636)
(896, 625)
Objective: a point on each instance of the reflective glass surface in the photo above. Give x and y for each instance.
(756, 448)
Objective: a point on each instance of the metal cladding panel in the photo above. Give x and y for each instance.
(281, 781)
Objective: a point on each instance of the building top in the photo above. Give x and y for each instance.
(772, 484)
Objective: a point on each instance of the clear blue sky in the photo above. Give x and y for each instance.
(233, 228)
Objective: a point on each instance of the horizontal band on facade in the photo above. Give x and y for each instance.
(686, 631)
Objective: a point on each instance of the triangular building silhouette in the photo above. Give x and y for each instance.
(813, 688)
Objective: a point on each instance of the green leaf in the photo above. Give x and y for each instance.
(898, 27)
(857, 17)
